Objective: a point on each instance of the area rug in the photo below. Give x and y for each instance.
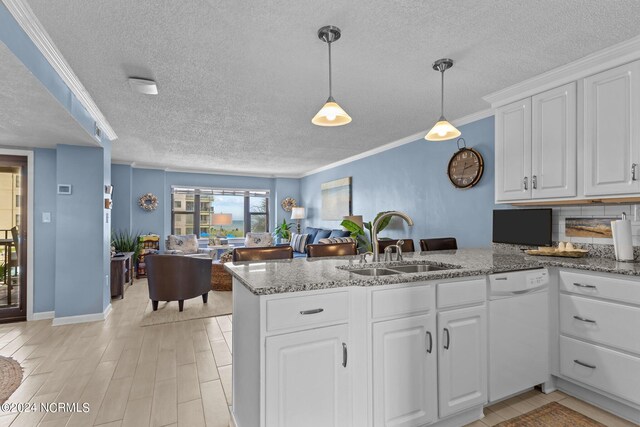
(219, 304)
(10, 377)
(551, 415)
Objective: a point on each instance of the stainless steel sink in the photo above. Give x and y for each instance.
(417, 268)
(374, 272)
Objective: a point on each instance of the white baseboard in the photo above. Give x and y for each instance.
(43, 315)
(83, 318)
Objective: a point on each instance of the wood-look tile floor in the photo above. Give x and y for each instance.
(534, 399)
(163, 375)
(175, 374)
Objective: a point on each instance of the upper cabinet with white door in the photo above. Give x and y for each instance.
(571, 134)
(612, 131)
(536, 146)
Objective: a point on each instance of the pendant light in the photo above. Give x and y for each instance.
(331, 114)
(442, 130)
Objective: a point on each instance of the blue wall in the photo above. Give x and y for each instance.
(44, 234)
(79, 242)
(412, 178)
(130, 183)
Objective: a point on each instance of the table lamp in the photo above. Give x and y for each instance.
(221, 219)
(298, 213)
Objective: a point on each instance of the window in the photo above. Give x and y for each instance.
(249, 211)
(17, 200)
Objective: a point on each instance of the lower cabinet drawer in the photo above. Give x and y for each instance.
(615, 325)
(608, 370)
(613, 287)
(308, 310)
(452, 294)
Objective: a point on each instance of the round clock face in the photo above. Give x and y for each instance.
(465, 168)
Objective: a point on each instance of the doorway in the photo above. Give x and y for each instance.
(13, 238)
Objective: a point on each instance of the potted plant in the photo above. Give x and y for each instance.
(358, 233)
(283, 231)
(127, 241)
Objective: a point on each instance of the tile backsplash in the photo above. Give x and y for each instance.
(596, 211)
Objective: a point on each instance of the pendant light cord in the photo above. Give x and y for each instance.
(441, 92)
(330, 93)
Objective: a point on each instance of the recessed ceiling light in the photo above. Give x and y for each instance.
(144, 86)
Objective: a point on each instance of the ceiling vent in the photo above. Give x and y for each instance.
(144, 86)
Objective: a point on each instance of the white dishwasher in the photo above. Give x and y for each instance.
(518, 332)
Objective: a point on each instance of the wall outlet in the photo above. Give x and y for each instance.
(46, 217)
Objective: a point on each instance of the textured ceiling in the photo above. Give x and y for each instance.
(29, 115)
(239, 81)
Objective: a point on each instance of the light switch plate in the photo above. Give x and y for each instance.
(46, 217)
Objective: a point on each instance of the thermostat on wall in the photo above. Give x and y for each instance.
(64, 188)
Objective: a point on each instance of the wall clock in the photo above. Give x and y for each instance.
(465, 167)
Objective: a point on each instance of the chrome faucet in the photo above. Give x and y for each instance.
(388, 251)
(374, 231)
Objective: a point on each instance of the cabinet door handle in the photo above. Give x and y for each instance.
(580, 285)
(582, 319)
(634, 166)
(344, 355)
(586, 365)
(314, 311)
(446, 332)
(534, 182)
(430, 342)
(525, 181)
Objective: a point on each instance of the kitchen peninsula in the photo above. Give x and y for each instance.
(317, 344)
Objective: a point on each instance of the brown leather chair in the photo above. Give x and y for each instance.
(177, 278)
(407, 246)
(440, 244)
(262, 253)
(332, 249)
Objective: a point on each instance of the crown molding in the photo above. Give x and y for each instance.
(137, 165)
(27, 20)
(400, 142)
(596, 62)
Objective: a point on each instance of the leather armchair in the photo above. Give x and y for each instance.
(440, 244)
(331, 249)
(177, 278)
(407, 246)
(262, 253)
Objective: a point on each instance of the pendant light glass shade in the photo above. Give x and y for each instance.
(442, 130)
(331, 114)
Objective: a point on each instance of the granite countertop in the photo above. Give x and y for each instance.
(305, 274)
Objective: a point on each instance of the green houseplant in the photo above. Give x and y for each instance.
(283, 231)
(127, 241)
(358, 233)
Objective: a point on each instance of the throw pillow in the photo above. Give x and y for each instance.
(339, 233)
(254, 240)
(299, 242)
(336, 240)
(311, 231)
(188, 243)
(321, 234)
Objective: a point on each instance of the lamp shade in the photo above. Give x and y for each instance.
(331, 114)
(298, 213)
(442, 131)
(356, 219)
(221, 219)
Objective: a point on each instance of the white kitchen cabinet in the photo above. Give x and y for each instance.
(553, 143)
(307, 378)
(462, 353)
(612, 131)
(405, 372)
(513, 151)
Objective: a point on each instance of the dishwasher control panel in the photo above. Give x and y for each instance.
(518, 281)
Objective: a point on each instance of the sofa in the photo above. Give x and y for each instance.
(315, 235)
